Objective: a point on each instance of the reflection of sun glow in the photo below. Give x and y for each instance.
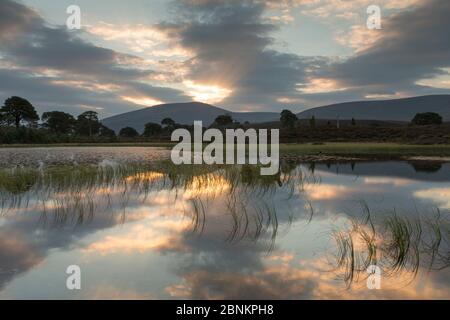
(211, 186)
(146, 176)
(206, 93)
(142, 100)
(326, 191)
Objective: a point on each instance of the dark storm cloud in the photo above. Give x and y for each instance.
(231, 41)
(27, 40)
(414, 45)
(30, 46)
(47, 96)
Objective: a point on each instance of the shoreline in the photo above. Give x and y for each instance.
(295, 153)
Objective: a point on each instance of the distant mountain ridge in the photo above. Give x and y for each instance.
(382, 110)
(385, 110)
(183, 113)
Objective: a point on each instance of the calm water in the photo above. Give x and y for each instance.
(152, 231)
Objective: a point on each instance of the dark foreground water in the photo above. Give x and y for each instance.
(155, 231)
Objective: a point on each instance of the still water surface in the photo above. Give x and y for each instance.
(144, 230)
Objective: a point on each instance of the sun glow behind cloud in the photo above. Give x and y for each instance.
(206, 93)
(441, 81)
(142, 100)
(320, 85)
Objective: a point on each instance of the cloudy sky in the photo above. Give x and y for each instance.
(255, 55)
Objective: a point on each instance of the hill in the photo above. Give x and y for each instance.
(398, 110)
(183, 113)
(384, 110)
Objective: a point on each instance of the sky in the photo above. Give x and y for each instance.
(247, 55)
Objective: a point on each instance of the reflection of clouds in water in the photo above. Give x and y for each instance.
(210, 266)
(26, 238)
(329, 191)
(441, 196)
(154, 233)
(272, 283)
(398, 182)
(16, 255)
(109, 292)
(294, 280)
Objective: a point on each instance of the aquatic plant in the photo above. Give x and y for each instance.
(398, 244)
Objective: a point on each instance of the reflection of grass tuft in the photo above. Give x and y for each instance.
(73, 194)
(397, 244)
(18, 180)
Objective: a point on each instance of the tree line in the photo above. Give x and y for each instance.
(20, 123)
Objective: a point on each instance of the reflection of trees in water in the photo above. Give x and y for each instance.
(398, 244)
(426, 166)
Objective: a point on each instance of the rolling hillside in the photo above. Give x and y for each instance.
(184, 113)
(385, 110)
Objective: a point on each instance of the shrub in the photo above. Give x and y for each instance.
(427, 118)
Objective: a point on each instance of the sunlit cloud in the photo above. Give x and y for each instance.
(289, 100)
(206, 93)
(347, 10)
(377, 96)
(145, 35)
(320, 85)
(87, 85)
(142, 100)
(146, 39)
(359, 37)
(439, 82)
